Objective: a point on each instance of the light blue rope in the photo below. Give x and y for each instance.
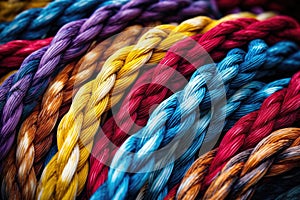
(176, 115)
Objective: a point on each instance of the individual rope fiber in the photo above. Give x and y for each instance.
(13, 53)
(10, 9)
(34, 24)
(246, 133)
(71, 41)
(36, 133)
(119, 71)
(277, 153)
(117, 133)
(178, 115)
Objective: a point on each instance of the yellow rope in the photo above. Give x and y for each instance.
(65, 175)
(8, 10)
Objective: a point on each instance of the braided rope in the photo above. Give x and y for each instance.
(254, 92)
(10, 9)
(22, 93)
(40, 23)
(56, 101)
(246, 133)
(274, 155)
(13, 53)
(92, 100)
(178, 115)
(149, 96)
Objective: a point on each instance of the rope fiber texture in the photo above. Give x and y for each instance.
(21, 93)
(277, 153)
(178, 116)
(44, 22)
(93, 99)
(279, 110)
(212, 42)
(13, 53)
(36, 133)
(195, 25)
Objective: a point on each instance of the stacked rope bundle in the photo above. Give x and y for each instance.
(274, 155)
(123, 66)
(246, 133)
(178, 116)
(152, 100)
(71, 41)
(117, 132)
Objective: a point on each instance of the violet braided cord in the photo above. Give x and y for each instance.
(19, 98)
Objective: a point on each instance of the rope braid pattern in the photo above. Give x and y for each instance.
(178, 116)
(22, 92)
(13, 53)
(34, 24)
(194, 25)
(10, 9)
(92, 100)
(213, 42)
(245, 134)
(251, 95)
(36, 133)
(274, 155)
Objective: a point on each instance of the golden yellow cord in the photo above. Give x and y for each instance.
(65, 175)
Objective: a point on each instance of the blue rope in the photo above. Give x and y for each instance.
(176, 115)
(37, 23)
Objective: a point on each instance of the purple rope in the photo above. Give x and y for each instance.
(23, 91)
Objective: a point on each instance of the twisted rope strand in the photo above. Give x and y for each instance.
(92, 100)
(23, 93)
(34, 23)
(246, 133)
(274, 155)
(13, 53)
(56, 101)
(117, 132)
(179, 112)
